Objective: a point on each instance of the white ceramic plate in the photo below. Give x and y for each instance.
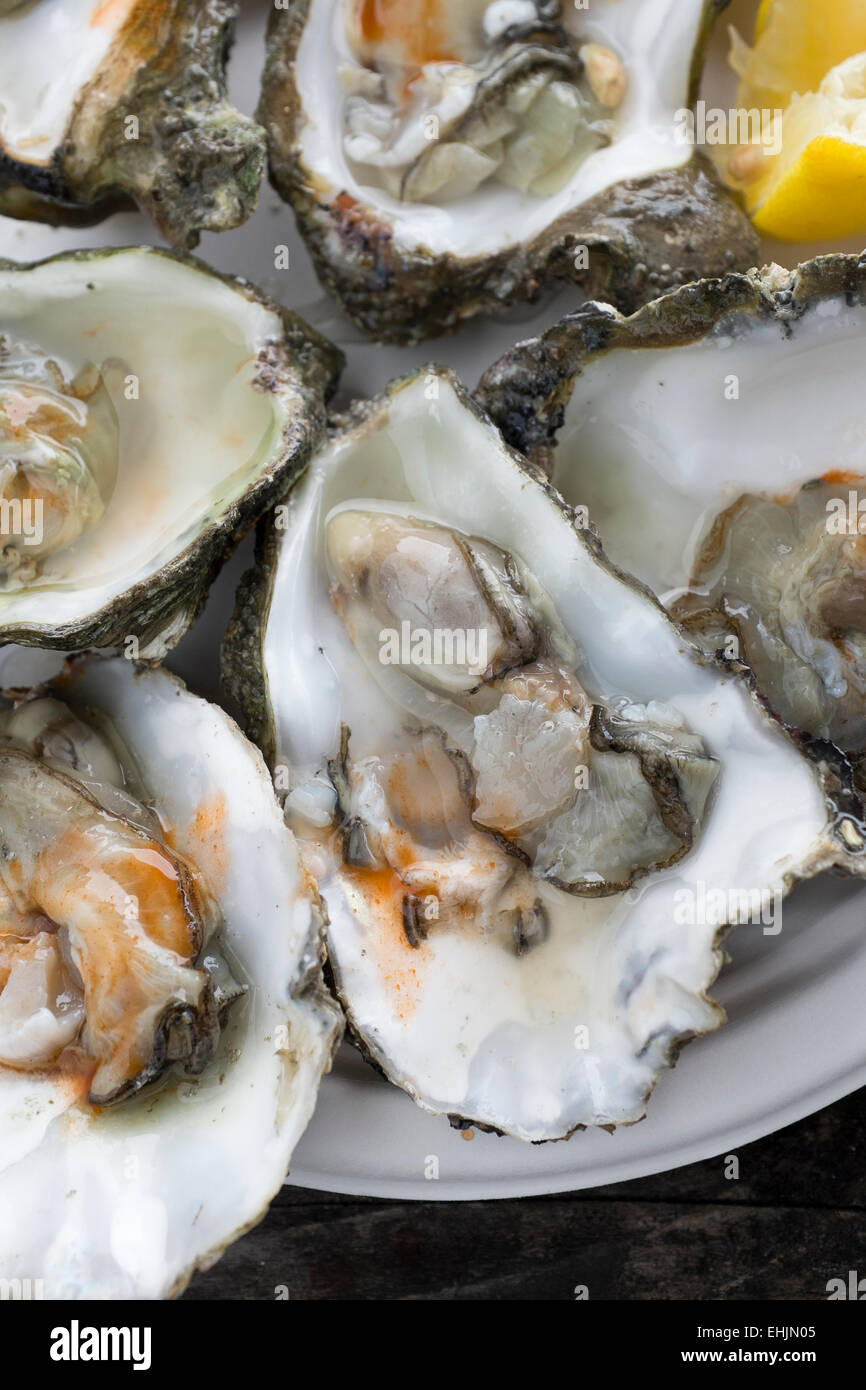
(796, 1036)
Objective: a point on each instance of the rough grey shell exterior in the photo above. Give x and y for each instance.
(197, 163)
(643, 236)
(527, 389)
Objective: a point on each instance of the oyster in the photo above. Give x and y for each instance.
(448, 158)
(514, 781)
(150, 410)
(727, 472)
(142, 1006)
(111, 104)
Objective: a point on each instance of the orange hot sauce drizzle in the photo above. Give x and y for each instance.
(841, 476)
(414, 28)
(382, 892)
(110, 12)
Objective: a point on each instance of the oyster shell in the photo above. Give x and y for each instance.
(446, 159)
(104, 105)
(504, 828)
(130, 469)
(160, 1053)
(727, 473)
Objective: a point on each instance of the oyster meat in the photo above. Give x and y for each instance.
(143, 1006)
(506, 91)
(445, 158)
(728, 472)
(111, 104)
(513, 779)
(59, 450)
(150, 410)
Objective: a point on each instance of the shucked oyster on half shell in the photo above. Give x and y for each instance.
(150, 411)
(529, 804)
(445, 157)
(163, 1019)
(718, 441)
(111, 102)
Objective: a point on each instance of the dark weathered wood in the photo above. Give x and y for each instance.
(794, 1218)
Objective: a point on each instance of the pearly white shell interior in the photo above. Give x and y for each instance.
(464, 1027)
(657, 443)
(655, 39)
(129, 1199)
(179, 347)
(49, 51)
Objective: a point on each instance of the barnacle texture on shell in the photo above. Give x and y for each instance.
(104, 103)
(445, 158)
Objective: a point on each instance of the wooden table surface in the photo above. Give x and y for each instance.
(795, 1218)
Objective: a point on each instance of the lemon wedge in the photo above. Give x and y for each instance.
(796, 44)
(806, 181)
